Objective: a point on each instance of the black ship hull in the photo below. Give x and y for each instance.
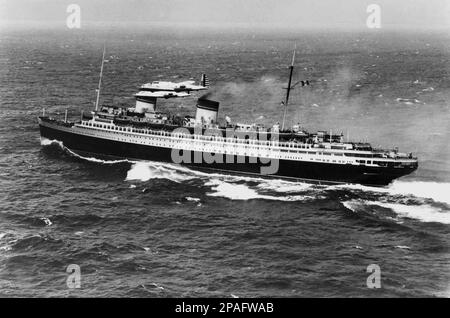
(314, 172)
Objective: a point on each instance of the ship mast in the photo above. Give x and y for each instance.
(288, 89)
(100, 80)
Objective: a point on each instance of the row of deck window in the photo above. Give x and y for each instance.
(239, 141)
(380, 163)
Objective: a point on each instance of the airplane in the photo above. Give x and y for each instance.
(187, 86)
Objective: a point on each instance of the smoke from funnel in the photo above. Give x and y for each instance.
(206, 95)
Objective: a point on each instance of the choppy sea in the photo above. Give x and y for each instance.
(146, 229)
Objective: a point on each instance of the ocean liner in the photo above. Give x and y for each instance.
(142, 132)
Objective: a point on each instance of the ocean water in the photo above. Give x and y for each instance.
(146, 229)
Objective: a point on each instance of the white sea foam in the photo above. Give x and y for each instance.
(46, 221)
(437, 191)
(403, 247)
(424, 213)
(144, 171)
(282, 186)
(157, 286)
(352, 205)
(5, 248)
(234, 191)
(48, 142)
(408, 101)
(192, 199)
(96, 160)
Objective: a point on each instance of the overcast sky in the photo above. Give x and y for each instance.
(289, 13)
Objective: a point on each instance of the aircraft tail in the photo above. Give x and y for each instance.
(204, 80)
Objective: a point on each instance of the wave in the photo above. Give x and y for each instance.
(96, 160)
(436, 191)
(402, 247)
(352, 205)
(408, 101)
(46, 221)
(48, 142)
(4, 247)
(24, 241)
(144, 171)
(424, 212)
(281, 186)
(244, 192)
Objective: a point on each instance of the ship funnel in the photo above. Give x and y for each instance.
(206, 111)
(145, 104)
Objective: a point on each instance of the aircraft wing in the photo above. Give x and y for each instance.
(186, 83)
(186, 86)
(189, 88)
(162, 94)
